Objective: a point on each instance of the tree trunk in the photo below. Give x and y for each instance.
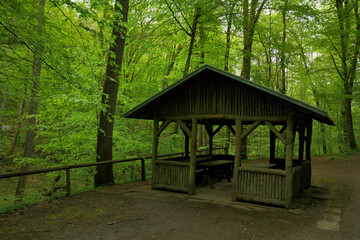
(192, 40)
(173, 57)
(349, 123)
(228, 40)
(104, 173)
(29, 150)
(251, 14)
(283, 49)
(348, 54)
(3, 104)
(18, 124)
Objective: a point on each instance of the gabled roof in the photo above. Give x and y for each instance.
(314, 112)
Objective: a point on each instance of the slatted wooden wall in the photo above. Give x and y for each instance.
(171, 177)
(221, 97)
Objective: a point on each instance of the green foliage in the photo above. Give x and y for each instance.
(76, 39)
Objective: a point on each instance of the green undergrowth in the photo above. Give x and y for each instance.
(41, 187)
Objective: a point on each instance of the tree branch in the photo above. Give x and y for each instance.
(41, 59)
(173, 13)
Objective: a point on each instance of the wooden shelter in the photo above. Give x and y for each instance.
(216, 99)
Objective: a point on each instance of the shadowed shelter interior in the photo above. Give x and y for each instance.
(217, 99)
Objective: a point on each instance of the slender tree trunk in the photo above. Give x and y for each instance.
(3, 104)
(202, 45)
(192, 39)
(283, 50)
(173, 57)
(18, 124)
(251, 13)
(226, 66)
(29, 150)
(228, 39)
(104, 173)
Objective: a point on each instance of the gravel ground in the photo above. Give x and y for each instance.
(330, 209)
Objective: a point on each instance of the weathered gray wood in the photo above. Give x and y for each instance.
(237, 160)
(272, 147)
(209, 130)
(301, 142)
(68, 182)
(187, 142)
(251, 198)
(289, 161)
(163, 127)
(154, 150)
(174, 163)
(184, 127)
(143, 173)
(244, 118)
(250, 129)
(263, 170)
(277, 133)
(217, 129)
(231, 128)
(308, 142)
(192, 157)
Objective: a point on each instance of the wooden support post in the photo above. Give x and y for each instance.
(227, 142)
(191, 188)
(68, 183)
(308, 141)
(301, 143)
(210, 131)
(289, 162)
(187, 142)
(237, 161)
(272, 147)
(154, 151)
(143, 176)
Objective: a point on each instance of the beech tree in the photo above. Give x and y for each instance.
(104, 174)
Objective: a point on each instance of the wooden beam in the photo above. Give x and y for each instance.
(272, 147)
(184, 127)
(301, 131)
(289, 162)
(163, 127)
(250, 129)
(274, 130)
(209, 129)
(237, 160)
(217, 129)
(187, 143)
(231, 128)
(278, 119)
(193, 157)
(308, 142)
(214, 116)
(154, 151)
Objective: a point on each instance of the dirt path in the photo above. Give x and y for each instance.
(329, 210)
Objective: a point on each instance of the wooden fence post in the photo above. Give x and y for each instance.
(68, 184)
(191, 188)
(237, 160)
(143, 176)
(290, 137)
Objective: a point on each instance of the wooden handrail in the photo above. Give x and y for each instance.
(30, 172)
(68, 167)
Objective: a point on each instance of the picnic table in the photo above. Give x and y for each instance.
(224, 167)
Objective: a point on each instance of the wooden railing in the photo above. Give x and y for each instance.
(68, 167)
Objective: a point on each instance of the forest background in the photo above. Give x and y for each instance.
(56, 55)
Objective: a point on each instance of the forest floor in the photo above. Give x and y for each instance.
(330, 209)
